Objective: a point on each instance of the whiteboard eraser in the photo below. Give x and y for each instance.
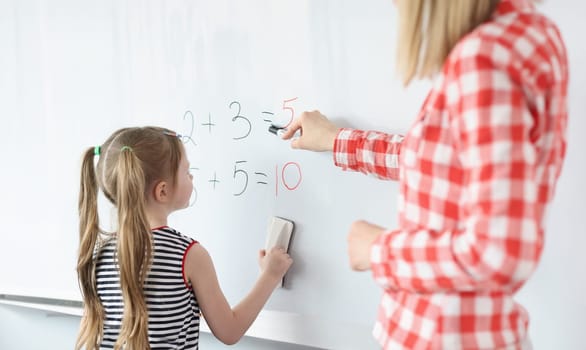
(279, 234)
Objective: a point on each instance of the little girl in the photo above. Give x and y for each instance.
(144, 286)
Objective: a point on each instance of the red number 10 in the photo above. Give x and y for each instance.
(290, 167)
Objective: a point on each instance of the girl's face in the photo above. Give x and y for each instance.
(184, 186)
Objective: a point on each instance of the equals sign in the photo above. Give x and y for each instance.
(261, 174)
(268, 120)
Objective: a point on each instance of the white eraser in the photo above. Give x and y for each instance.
(279, 234)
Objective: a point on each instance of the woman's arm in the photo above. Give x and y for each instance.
(370, 152)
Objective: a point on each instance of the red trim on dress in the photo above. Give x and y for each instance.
(183, 263)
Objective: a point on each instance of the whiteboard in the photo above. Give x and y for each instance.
(219, 72)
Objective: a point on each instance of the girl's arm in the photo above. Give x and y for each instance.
(226, 323)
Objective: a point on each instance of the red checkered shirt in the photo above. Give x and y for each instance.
(475, 171)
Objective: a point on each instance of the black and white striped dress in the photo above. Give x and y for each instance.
(172, 307)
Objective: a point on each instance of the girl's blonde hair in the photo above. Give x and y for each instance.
(429, 29)
(131, 162)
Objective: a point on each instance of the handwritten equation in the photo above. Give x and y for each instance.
(286, 176)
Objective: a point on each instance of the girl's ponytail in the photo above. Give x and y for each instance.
(134, 250)
(91, 325)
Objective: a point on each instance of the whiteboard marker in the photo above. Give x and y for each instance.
(279, 131)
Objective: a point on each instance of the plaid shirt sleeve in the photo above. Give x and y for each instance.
(369, 152)
(500, 239)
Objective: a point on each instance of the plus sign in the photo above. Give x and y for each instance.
(214, 180)
(209, 124)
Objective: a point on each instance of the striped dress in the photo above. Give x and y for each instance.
(172, 307)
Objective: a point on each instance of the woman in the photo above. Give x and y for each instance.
(476, 172)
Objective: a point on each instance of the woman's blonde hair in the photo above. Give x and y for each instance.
(429, 29)
(131, 162)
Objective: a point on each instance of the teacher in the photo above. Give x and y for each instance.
(476, 173)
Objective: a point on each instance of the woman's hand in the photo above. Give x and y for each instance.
(362, 235)
(317, 132)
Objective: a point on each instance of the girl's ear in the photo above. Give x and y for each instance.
(161, 191)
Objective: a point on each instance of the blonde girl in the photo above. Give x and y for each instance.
(144, 285)
(476, 172)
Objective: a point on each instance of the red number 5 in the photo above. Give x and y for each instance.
(285, 107)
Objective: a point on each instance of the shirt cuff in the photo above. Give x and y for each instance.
(345, 148)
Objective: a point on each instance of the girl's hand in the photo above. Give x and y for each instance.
(274, 263)
(317, 132)
(362, 235)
